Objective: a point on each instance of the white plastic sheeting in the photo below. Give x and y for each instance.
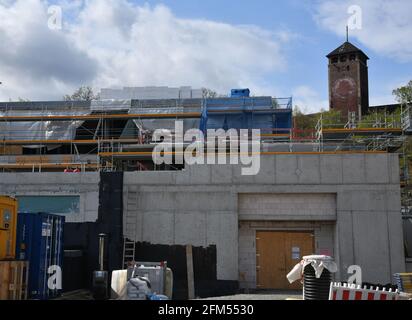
(66, 130)
(40, 130)
(110, 105)
(151, 93)
(165, 124)
(318, 262)
(162, 107)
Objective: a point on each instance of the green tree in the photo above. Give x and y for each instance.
(404, 94)
(208, 93)
(82, 94)
(331, 119)
(381, 119)
(303, 122)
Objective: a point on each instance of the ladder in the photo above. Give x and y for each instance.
(129, 249)
(130, 226)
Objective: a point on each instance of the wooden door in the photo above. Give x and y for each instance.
(277, 253)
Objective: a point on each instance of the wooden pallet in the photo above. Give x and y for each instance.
(14, 277)
(404, 281)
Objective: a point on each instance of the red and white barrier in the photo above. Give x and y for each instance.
(340, 291)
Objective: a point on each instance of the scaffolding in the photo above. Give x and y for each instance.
(378, 135)
(118, 135)
(273, 116)
(385, 133)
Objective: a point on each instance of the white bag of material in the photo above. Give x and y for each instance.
(295, 274)
(169, 283)
(119, 284)
(317, 262)
(138, 288)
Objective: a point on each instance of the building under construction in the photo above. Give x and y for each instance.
(334, 191)
(340, 189)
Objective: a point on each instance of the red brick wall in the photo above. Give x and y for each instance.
(348, 86)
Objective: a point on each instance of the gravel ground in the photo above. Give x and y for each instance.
(264, 295)
(77, 295)
(276, 295)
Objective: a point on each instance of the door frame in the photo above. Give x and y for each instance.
(288, 230)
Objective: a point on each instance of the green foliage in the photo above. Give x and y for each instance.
(404, 94)
(82, 94)
(331, 119)
(381, 119)
(208, 93)
(303, 122)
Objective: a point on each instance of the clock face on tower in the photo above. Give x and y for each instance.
(344, 88)
(344, 94)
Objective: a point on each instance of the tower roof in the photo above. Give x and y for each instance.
(346, 48)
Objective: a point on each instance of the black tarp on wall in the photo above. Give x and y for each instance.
(85, 236)
(204, 269)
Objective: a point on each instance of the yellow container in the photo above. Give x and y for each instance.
(8, 225)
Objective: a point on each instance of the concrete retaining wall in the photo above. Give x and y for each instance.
(358, 219)
(201, 206)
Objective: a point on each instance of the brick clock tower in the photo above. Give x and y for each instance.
(348, 80)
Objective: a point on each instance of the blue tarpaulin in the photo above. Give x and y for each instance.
(269, 115)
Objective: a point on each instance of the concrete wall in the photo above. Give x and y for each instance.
(271, 211)
(324, 243)
(86, 185)
(407, 231)
(205, 205)
(201, 206)
(158, 211)
(409, 265)
(284, 206)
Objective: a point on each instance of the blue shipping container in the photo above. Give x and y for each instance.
(40, 241)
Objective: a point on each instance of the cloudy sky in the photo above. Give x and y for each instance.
(275, 48)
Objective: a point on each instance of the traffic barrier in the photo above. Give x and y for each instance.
(345, 291)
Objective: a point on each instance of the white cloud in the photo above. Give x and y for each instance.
(308, 100)
(108, 43)
(34, 59)
(380, 100)
(386, 25)
(382, 94)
